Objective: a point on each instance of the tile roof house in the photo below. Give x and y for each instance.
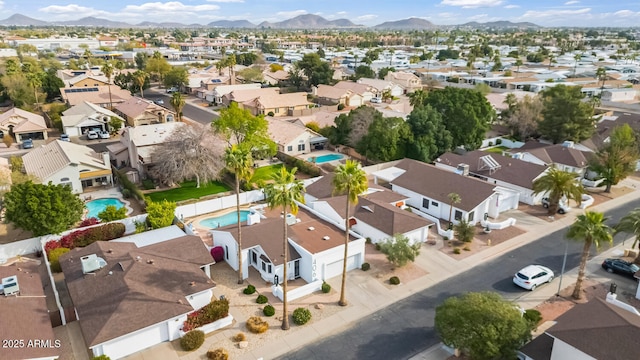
(507, 172)
(63, 162)
(244, 95)
(334, 95)
(86, 116)
(275, 104)
(86, 80)
(561, 156)
(364, 90)
(137, 111)
(219, 92)
(293, 138)
(25, 317)
(408, 81)
(23, 125)
(595, 330)
(129, 298)
(275, 78)
(380, 86)
(427, 188)
(98, 95)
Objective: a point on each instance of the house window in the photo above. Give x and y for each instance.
(458, 215)
(226, 252)
(264, 266)
(471, 216)
(425, 203)
(435, 204)
(290, 148)
(277, 110)
(300, 147)
(269, 268)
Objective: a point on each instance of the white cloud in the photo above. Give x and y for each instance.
(170, 8)
(71, 8)
(511, 6)
(626, 13)
(470, 4)
(366, 17)
(226, 1)
(291, 14)
(549, 14)
(572, 2)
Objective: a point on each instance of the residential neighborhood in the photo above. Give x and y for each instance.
(317, 188)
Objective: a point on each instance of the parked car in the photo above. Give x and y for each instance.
(621, 267)
(376, 100)
(65, 137)
(104, 134)
(92, 135)
(159, 102)
(27, 144)
(172, 90)
(533, 276)
(563, 208)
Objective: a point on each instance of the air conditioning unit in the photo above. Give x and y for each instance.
(291, 219)
(463, 169)
(91, 263)
(10, 285)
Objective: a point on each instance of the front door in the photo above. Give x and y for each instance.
(254, 257)
(296, 269)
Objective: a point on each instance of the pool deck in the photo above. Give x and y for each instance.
(203, 231)
(319, 153)
(106, 193)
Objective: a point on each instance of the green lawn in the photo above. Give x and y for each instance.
(188, 190)
(497, 149)
(264, 173)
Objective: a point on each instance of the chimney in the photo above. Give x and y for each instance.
(105, 158)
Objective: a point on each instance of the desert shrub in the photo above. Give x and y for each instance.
(326, 287)
(54, 256)
(112, 213)
(366, 266)
(262, 299)
(445, 238)
(126, 193)
(490, 143)
(301, 316)
(84, 237)
(213, 311)
(192, 340)
(464, 231)
(141, 226)
(399, 251)
(269, 310)
(239, 337)
(218, 354)
(394, 280)
(50, 245)
(378, 246)
(340, 107)
(498, 141)
(88, 222)
(466, 248)
(270, 113)
(217, 252)
(456, 250)
(368, 240)
(101, 357)
(249, 290)
(533, 316)
(256, 325)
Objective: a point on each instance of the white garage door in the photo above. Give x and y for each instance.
(508, 203)
(335, 268)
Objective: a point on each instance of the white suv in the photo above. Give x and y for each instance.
(533, 276)
(563, 208)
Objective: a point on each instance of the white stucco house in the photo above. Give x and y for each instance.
(86, 116)
(66, 163)
(561, 156)
(380, 86)
(293, 138)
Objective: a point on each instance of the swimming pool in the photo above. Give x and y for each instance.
(97, 206)
(226, 219)
(326, 158)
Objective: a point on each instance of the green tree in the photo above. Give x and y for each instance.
(558, 184)
(465, 113)
(51, 84)
(239, 162)
(616, 159)
(107, 70)
(430, 135)
(177, 102)
(316, 70)
(16, 87)
(601, 75)
(398, 250)
(115, 124)
(417, 97)
(159, 67)
(141, 60)
(339, 133)
(630, 224)
(239, 126)
(351, 180)
(139, 79)
(42, 209)
(483, 325)
(589, 228)
(363, 71)
(524, 117)
(112, 213)
(160, 214)
(386, 139)
(382, 73)
(286, 192)
(178, 76)
(564, 115)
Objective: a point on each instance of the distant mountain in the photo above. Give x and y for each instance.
(21, 20)
(309, 21)
(93, 21)
(228, 24)
(406, 24)
(500, 24)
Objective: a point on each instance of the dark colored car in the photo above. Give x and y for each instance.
(620, 267)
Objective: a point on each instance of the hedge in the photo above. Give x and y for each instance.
(215, 310)
(192, 340)
(84, 237)
(129, 186)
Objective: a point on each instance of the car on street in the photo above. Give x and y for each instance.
(104, 134)
(65, 137)
(92, 135)
(533, 276)
(563, 208)
(376, 100)
(172, 90)
(621, 267)
(159, 102)
(27, 144)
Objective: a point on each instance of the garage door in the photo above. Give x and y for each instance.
(508, 203)
(335, 268)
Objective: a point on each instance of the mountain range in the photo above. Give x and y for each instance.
(306, 21)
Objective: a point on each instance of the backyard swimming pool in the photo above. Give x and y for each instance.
(224, 220)
(326, 158)
(97, 206)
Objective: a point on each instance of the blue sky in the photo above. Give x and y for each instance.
(366, 12)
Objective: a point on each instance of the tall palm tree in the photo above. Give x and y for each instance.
(239, 161)
(287, 192)
(558, 184)
(601, 74)
(140, 77)
(454, 198)
(589, 228)
(107, 70)
(35, 81)
(576, 57)
(351, 180)
(518, 64)
(630, 224)
(177, 101)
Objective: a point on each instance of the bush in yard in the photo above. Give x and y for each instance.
(192, 340)
(239, 337)
(217, 253)
(269, 310)
(398, 250)
(533, 316)
(498, 141)
(213, 311)
(53, 258)
(218, 354)
(250, 289)
(466, 248)
(456, 251)
(160, 214)
(394, 280)
(464, 231)
(256, 325)
(326, 287)
(366, 266)
(301, 316)
(88, 222)
(112, 213)
(262, 299)
(50, 245)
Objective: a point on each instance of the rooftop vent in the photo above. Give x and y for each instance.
(463, 169)
(91, 263)
(193, 283)
(150, 261)
(326, 237)
(311, 228)
(568, 144)
(291, 219)
(10, 286)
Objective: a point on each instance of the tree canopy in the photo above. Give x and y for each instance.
(160, 214)
(43, 209)
(616, 159)
(564, 115)
(483, 325)
(239, 126)
(558, 184)
(430, 137)
(386, 139)
(398, 250)
(315, 69)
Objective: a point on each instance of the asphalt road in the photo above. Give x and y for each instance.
(405, 328)
(193, 112)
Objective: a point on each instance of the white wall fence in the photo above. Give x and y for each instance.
(22, 247)
(207, 206)
(297, 292)
(442, 232)
(511, 144)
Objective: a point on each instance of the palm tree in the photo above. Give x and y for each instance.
(558, 184)
(350, 179)
(590, 228)
(35, 81)
(177, 101)
(630, 224)
(140, 77)
(518, 64)
(601, 74)
(417, 97)
(576, 57)
(287, 192)
(454, 198)
(107, 70)
(239, 161)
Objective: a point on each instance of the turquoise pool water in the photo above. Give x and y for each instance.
(226, 219)
(97, 206)
(326, 158)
